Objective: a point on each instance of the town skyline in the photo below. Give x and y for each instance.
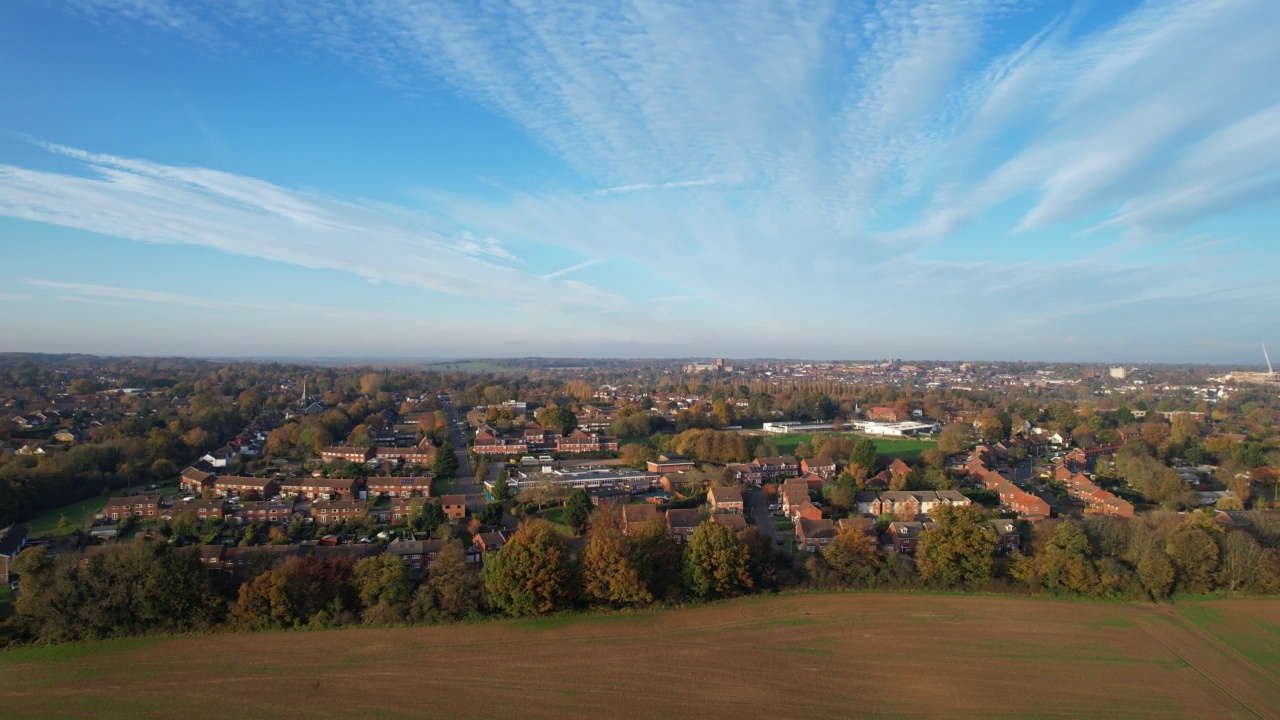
(1093, 183)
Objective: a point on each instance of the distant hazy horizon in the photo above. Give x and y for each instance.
(375, 360)
(978, 178)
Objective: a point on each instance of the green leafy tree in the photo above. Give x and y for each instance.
(1156, 573)
(955, 438)
(1066, 561)
(531, 573)
(1192, 547)
(960, 549)
(381, 580)
(502, 487)
(453, 589)
(558, 417)
(577, 510)
(716, 563)
(445, 466)
(865, 455)
(608, 574)
(760, 558)
(852, 555)
(658, 560)
(430, 516)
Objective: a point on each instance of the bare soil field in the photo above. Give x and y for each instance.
(795, 656)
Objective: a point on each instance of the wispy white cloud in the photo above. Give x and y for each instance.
(84, 290)
(640, 187)
(150, 202)
(573, 268)
(829, 148)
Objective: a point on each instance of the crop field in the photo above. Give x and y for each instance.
(904, 448)
(810, 656)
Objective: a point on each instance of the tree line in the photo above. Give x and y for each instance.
(148, 587)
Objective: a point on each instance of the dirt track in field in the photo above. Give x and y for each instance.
(801, 656)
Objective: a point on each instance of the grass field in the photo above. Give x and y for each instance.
(555, 516)
(810, 656)
(46, 523)
(904, 448)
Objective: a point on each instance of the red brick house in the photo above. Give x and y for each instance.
(634, 517)
(399, 487)
(196, 481)
(744, 473)
(864, 525)
(579, 441)
(736, 523)
(487, 542)
(883, 414)
(404, 509)
(1027, 506)
(408, 455)
(793, 494)
(682, 523)
(806, 511)
(454, 506)
(343, 453)
(725, 500)
(899, 469)
(904, 537)
(824, 468)
(275, 512)
(489, 442)
(144, 507)
(322, 488)
(416, 555)
(247, 487)
(814, 535)
(331, 512)
(203, 510)
(1008, 537)
(782, 466)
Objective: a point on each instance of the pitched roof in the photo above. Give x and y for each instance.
(639, 513)
(817, 528)
(721, 495)
(684, 518)
(736, 523)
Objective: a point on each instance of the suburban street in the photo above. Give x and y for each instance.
(466, 481)
(759, 503)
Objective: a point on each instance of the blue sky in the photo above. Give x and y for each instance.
(959, 179)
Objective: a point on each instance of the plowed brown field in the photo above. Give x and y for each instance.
(799, 656)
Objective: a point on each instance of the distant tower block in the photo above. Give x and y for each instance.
(1119, 373)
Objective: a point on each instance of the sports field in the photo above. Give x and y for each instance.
(795, 656)
(904, 448)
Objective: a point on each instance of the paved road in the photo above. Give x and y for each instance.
(760, 513)
(465, 481)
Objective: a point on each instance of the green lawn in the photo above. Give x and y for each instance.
(440, 486)
(904, 448)
(46, 523)
(555, 516)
